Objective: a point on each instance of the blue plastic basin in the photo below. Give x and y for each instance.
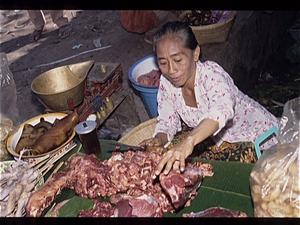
(148, 92)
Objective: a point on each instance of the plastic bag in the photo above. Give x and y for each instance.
(9, 112)
(274, 180)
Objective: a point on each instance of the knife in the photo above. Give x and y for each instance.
(120, 148)
(146, 148)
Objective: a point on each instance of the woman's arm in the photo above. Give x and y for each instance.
(176, 156)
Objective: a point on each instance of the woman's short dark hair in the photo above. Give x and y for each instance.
(178, 29)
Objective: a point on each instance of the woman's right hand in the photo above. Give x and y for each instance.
(156, 142)
(159, 140)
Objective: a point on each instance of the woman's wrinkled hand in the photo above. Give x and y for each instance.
(151, 142)
(174, 158)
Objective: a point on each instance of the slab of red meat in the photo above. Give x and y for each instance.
(176, 185)
(100, 209)
(206, 168)
(151, 78)
(216, 212)
(138, 206)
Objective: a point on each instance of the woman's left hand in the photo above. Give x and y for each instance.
(175, 158)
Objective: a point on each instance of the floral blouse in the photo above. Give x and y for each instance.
(240, 117)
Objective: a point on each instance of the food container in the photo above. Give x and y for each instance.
(148, 92)
(140, 133)
(213, 33)
(13, 139)
(87, 133)
(62, 88)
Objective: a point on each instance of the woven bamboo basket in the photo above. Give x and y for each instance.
(213, 33)
(141, 132)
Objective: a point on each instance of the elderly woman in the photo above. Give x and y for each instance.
(204, 96)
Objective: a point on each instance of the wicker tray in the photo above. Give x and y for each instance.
(214, 33)
(141, 132)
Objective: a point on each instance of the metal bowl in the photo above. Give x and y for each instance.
(57, 87)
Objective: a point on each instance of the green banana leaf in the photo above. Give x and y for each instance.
(229, 187)
(77, 204)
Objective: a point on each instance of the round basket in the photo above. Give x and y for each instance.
(141, 132)
(213, 33)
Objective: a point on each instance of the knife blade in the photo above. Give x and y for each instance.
(120, 148)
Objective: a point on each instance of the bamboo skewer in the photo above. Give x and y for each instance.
(56, 158)
(36, 163)
(45, 167)
(50, 163)
(54, 171)
(49, 167)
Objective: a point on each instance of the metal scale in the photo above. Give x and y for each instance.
(103, 80)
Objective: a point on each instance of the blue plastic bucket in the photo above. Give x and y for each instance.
(148, 93)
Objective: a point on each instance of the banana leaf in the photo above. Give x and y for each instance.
(229, 187)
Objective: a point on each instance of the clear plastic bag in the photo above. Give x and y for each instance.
(274, 180)
(9, 112)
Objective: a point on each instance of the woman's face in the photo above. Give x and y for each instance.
(176, 61)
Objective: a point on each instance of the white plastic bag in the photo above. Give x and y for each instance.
(274, 180)
(9, 112)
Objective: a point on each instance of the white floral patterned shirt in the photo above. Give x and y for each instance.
(240, 117)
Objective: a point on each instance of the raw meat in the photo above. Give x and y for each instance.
(216, 212)
(151, 78)
(100, 209)
(181, 186)
(128, 172)
(42, 198)
(138, 206)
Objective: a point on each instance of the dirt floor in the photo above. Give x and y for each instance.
(27, 59)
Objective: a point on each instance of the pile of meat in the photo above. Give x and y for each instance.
(126, 179)
(152, 78)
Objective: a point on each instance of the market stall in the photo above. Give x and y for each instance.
(227, 185)
(66, 176)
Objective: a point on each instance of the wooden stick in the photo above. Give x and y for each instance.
(56, 158)
(48, 214)
(73, 56)
(43, 174)
(45, 167)
(52, 160)
(55, 171)
(36, 163)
